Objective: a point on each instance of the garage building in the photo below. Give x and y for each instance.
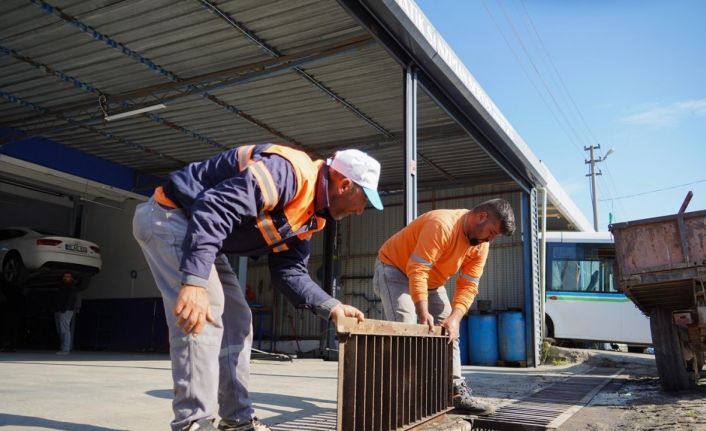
(100, 100)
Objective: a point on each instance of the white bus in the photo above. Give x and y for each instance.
(582, 301)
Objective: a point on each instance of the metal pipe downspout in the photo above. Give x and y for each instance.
(526, 233)
(410, 141)
(542, 263)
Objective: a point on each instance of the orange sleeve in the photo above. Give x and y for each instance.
(469, 277)
(432, 240)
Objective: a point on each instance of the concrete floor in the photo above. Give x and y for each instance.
(110, 391)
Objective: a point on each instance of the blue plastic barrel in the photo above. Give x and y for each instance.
(483, 339)
(463, 341)
(511, 336)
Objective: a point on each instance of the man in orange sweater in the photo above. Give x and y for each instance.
(414, 264)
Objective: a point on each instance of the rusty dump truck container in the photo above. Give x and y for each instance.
(661, 267)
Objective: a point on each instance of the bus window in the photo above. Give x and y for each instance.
(581, 268)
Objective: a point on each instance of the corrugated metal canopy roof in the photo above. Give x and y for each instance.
(229, 73)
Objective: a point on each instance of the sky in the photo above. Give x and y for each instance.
(629, 75)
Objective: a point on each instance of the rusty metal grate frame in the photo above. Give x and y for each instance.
(391, 376)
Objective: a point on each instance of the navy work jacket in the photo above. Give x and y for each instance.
(223, 202)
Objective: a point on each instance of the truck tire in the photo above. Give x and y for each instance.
(671, 367)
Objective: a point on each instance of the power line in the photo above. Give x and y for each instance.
(653, 191)
(610, 181)
(537, 71)
(556, 71)
(564, 90)
(618, 210)
(572, 111)
(529, 78)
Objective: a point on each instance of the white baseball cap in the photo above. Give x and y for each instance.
(361, 169)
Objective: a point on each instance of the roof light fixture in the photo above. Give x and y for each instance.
(134, 112)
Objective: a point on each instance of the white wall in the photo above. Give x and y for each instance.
(52, 214)
(111, 229)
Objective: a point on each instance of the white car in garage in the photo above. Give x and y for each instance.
(32, 255)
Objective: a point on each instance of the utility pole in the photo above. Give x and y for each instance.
(592, 173)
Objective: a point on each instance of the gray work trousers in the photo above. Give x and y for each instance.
(213, 368)
(392, 286)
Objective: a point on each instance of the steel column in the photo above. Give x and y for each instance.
(243, 272)
(327, 343)
(410, 141)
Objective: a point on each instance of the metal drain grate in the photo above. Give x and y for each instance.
(549, 407)
(391, 376)
(324, 421)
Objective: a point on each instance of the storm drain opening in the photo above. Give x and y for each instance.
(549, 407)
(391, 376)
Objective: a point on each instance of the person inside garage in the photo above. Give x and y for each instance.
(66, 299)
(253, 200)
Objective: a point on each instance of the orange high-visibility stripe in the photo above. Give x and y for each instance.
(281, 247)
(245, 156)
(270, 197)
(269, 232)
(300, 209)
(320, 223)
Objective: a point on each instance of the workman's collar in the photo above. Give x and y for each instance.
(321, 202)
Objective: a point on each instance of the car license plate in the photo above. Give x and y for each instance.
(76, 247)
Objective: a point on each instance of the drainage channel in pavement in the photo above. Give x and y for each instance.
(325, 421)
(545, 409)
(548, 407)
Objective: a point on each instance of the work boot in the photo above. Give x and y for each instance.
(251, 425)
(202, 425)
(463, 400)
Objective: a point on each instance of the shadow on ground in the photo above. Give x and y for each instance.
(80, 356)
(29, 421)
(291, 412)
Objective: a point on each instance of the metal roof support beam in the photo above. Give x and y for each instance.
(188, 132)
(19, 101)
(474, 181)
(438, 168)
(172, 92)
(98, 36)
(410, 144)
(273, 52)
(63, 123)
(49, 70)
(197, 85)
(468, 119)
(371, 142)
(87, 88)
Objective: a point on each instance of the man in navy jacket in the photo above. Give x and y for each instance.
(250, 201)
